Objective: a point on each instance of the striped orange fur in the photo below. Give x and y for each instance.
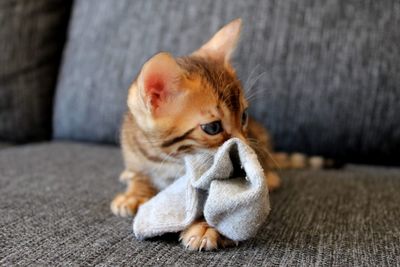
(180, 106)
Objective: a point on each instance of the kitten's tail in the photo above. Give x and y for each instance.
(284, 160)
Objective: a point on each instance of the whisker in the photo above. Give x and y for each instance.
(256, 79)
(166, 157)
(255, 95)
(260, 149)
(250, 77)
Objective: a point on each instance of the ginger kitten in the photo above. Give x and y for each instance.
(179, 106)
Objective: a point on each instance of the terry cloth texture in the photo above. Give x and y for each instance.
(323, 75)
(55, 210)
(227, 188)
(31, 40)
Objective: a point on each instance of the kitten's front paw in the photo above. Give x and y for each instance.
(200, 236)
(126, 204)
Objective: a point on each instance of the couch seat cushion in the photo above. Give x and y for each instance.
(54, 206)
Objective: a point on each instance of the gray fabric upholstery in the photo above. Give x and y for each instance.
(54, 206)
(4, 145)
(327, 72)
(31, 40)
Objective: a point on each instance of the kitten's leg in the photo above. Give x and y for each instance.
(273, 180)
(126, 176)
(200, 236)
(139, 191)
(261, 142)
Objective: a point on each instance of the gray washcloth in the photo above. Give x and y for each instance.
(227, 188)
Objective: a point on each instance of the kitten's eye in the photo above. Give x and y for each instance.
(245, 117)
(212, 128)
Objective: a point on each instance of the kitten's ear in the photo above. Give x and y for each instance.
(158, 82)
(221, 46)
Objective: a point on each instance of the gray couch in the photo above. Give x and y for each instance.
(326, 79)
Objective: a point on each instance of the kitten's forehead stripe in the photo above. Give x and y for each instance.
(224, 83)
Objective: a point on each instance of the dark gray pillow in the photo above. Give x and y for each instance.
(328, 71)
(31, 40)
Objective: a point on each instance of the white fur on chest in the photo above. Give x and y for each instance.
(161, 174)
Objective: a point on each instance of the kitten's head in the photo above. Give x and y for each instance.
(191, 103)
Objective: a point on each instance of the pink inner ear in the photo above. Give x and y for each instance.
(155, 89)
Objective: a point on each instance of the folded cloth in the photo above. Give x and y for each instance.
(227, 187)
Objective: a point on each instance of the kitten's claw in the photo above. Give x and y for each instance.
(190, 241)
(203, 244)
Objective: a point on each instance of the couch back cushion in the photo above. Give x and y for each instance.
(32, 36)
(324, 74)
